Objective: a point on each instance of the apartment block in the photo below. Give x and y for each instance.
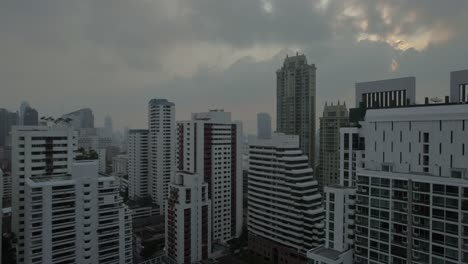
(161, 148)
(211, 145)
(188, 219)
(76, 218)
(138, 164)
(286, 217)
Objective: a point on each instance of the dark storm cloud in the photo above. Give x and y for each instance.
(114, 55)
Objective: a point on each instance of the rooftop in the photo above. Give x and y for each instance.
(325, 252)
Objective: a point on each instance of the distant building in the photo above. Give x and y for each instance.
(459, 86)
(162, 148)
(295, 102)
(76, 218)
(211, 145)
(120, 165)
(108, 127)
(6, 181)
(30, 117)
(188, 219)
(83, 118)
(138, 164)
(7, 120)
(286, 217)
(263, 125)
(334, 117)
(102, 160)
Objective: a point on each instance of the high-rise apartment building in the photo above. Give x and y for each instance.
(161, 148)
(83, 118)
(138, 164)
(295, 102)
(211, 145)
(188, 219)
(339, 204)
(37, 151)
(412, 189)
(263, 125)
(286, 217)
(369, 95)
(334, 117)
(75, 218)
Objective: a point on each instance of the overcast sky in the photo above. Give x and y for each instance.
(115, 55)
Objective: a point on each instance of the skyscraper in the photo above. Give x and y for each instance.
(108, 126)
(334, 117)
(37, 151)
(83, 118)
(7, 120)
(76, 218)
(138, 164)
(263, 125)
(22, 110)
(211, 145)
(285, 206)
(161, 149)
(188, 219)
(30, 117)
(295, 102)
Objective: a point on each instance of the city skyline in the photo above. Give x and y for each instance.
(69, 65)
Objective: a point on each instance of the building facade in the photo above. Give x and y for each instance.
(138, 164)
(83, 118)
(295, 102)
(263, 125)
(37, 150)
(188, 219)
(412, 189)
(161, 149)
(211, 145)
(352, 154)
(286, 217)
(334, 117)
(76, 218)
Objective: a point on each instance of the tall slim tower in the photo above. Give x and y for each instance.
(295, 102)
(108, 127)
(137, 163)
(211, 145)
(263, 125)
(334, 117)
(162, 147)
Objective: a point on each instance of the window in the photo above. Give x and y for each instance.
(451, 137)
(440, 125)
(426, 137)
